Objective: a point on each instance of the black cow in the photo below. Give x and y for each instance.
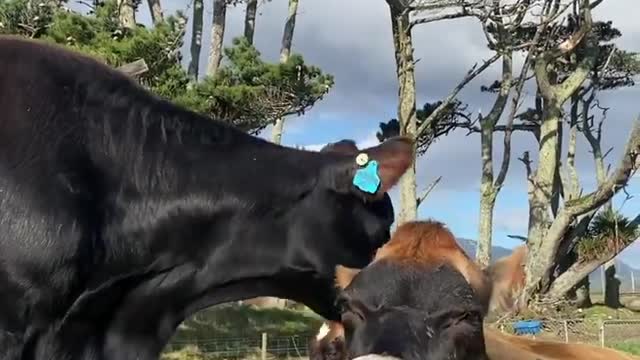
(123, 214)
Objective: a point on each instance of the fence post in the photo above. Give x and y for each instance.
(602, 333)
(633, 282)
(263, 354)
(566, 331)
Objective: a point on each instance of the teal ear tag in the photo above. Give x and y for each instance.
(367, 179)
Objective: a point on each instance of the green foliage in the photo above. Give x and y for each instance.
(247, 91)
(251, 93)
(614, 67)
(99, 35)
(609, 230)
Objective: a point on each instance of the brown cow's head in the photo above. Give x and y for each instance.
(421, 297)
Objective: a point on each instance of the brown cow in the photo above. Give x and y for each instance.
(426, 242)
(509, 347)
(422, 270)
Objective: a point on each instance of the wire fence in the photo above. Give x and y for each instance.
(262, 346)
(609, 333)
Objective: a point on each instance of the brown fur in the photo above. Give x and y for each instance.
(507, 276)
(344, 275)
(424, 243)
(431, 243)
(510, 347)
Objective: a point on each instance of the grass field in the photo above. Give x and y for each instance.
(632, 347)
(235, 331)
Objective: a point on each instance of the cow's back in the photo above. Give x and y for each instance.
(47, 209)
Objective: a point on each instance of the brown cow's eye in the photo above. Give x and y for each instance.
(350, 319)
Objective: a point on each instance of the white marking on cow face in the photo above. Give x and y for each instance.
(324, 331)
(376, 357)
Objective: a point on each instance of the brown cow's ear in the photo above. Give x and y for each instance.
(344, 276)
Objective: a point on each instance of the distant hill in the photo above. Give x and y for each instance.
(623, 271)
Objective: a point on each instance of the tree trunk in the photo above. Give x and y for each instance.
(217, 36)
(250, 20)
(285, 51)
(276, 132)
(287, 34)
(196, 39)
(612, 285)
(487, 195)
(579, 270)
(127, 14)
(540, 257)
(489, 188)
(583, 293)
(487, 204)
(156, 11)
(403, 44)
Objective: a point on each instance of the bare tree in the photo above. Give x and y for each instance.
(217, 35)
(127, 13)
(405, 73)
(196, 38)
(250, 20)
(551, 226)
(499, 34)
(404, 16)
(285, 51)
(156, 11)
(620, 232)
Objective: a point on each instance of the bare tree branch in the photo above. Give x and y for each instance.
(617, 180)
(427, 191)
(561, 224)
(134, 68)
(518, 237)
(471, 74)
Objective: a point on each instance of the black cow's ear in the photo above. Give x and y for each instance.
(371, 171)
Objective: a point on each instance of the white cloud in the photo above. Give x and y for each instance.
(313, 147)
(368, 141)
(365, 142)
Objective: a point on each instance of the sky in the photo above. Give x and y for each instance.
(352, 40)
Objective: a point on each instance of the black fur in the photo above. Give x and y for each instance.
(123, 214)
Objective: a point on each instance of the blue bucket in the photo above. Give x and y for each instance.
(531, 327)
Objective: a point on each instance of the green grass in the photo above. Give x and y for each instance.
(600, 312)
(631, 347)
(247, 321)
(235, 331)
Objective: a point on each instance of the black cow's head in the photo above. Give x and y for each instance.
(362, 221)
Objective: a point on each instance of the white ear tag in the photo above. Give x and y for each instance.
(362, 159)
